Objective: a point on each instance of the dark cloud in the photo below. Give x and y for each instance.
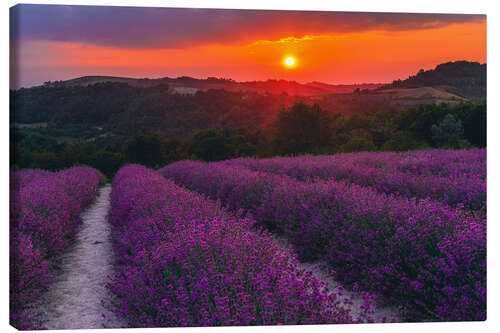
(143, 27)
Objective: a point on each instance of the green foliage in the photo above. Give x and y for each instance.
(107, 162)
(108, 125)
(383, 125)
(172, 150)
(32, 139)
(50, 161)
(403, 141)
(217, 145)
(303, 129)
(463, 77)
(128, 110)
(357, 144)
(449, 132)
(474, 122)
(145, 150)
(419, 121)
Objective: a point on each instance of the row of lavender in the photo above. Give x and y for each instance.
(455, 178)
(182, 260)
(424, 255)
(44, 216)
(440, 162)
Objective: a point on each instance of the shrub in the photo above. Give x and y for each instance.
(45, 212)
(185, 261)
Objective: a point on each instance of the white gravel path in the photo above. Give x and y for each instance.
(74, 301)
(320, 272)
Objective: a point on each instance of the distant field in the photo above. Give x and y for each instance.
(422, 93)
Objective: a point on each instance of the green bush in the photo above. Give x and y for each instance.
(403, 141)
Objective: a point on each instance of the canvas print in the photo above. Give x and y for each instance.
(175, 167)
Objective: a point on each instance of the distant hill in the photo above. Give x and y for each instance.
(463, 78)
(451, 81)
(189, 85)
(181, 106)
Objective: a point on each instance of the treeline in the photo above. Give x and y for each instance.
(309, 129)
(300, 129)
(27, 152)
(124, 109)
(465, 78)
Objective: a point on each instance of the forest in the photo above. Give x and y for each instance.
(108, 124)
(299, 129)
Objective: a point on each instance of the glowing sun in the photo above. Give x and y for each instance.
(289, 61)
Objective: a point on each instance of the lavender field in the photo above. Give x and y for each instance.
(410, 227)
(346, 238)
(45, 210)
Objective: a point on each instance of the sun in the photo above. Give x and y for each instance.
(289, 61)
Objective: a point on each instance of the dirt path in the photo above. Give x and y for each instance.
(74, 301)
(377, 312)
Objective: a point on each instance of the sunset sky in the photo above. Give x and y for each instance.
(52, 42)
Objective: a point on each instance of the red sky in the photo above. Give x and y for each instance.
(247, 45)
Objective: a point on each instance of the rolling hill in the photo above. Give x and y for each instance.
(451, 82)
(189, 85)
(181, 106)
(463, 78)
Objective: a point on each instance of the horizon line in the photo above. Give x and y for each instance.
(235, 81)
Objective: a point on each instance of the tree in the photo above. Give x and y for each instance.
(172, 150)
(217, 145)
(474, 121)
(106, 162)
(357, 144)
(383, 126)
(448, 133)
(145, 150)
(303, 129)
(403, 141)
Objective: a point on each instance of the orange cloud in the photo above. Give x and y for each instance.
(372, 56)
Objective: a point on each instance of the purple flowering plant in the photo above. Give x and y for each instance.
(45, 212)
(415, 251)
(184, 260)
